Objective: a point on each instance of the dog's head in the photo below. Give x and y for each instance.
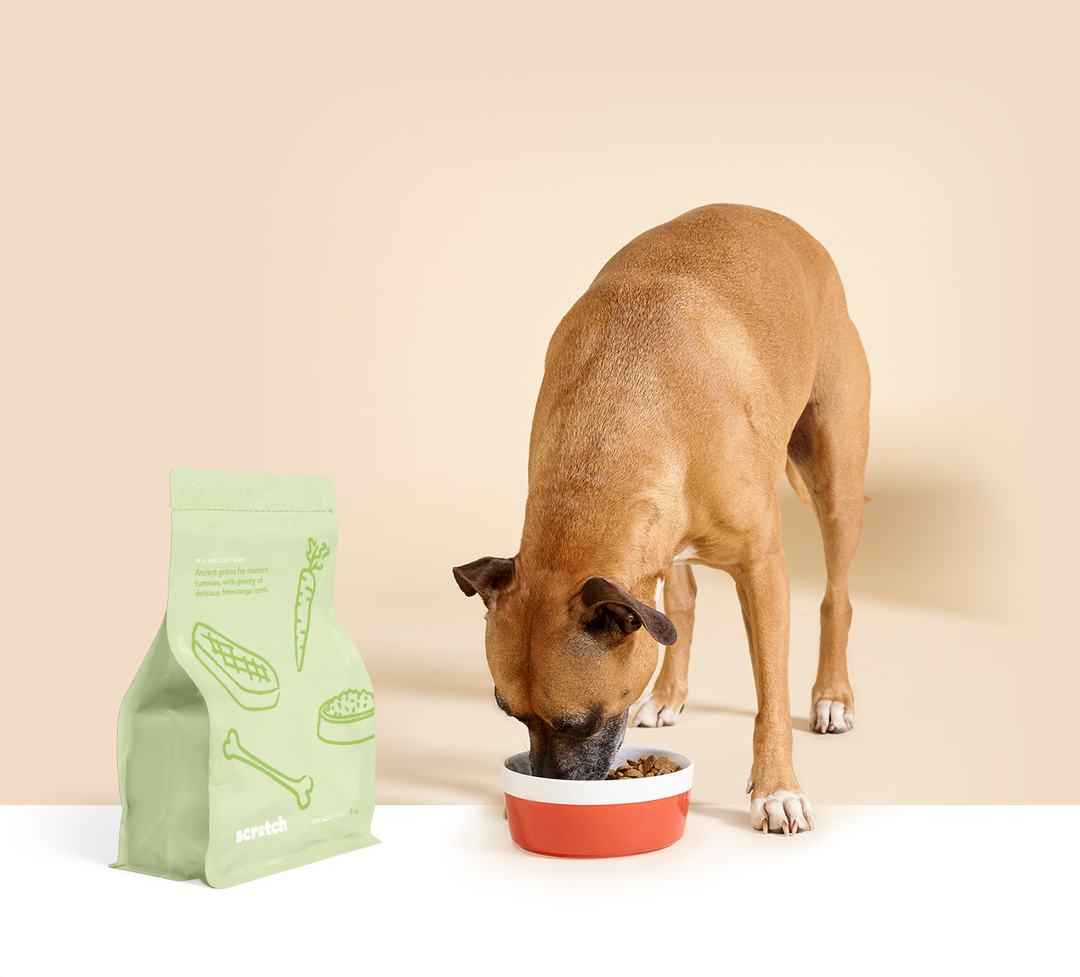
(568, 658)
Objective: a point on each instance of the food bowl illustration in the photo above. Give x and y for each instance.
(347, 718)
(597, 818)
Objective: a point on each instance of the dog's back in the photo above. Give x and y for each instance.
(696, 348)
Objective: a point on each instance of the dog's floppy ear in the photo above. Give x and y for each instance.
(604, 598)
(486, 577)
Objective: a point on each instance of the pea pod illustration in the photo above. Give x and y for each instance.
(305, 595)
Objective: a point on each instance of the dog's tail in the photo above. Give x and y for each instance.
(798, 484)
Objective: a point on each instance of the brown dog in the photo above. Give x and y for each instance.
(709, 354)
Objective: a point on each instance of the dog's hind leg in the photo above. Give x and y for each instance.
(668, 696)
(828, 447)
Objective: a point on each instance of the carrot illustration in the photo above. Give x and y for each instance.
(305, 594)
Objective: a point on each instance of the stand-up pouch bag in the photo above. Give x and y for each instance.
(246, 743)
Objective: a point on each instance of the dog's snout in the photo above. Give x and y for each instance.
(563, 756)
(548, 763)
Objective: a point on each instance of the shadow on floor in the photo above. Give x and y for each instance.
(738, 819)
(724, 710)
(468, 779)
(928, 545)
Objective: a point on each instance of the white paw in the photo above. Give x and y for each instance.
(654, 712)
(782, 810)
(830, 716)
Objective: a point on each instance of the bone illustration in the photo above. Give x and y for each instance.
(300, 787)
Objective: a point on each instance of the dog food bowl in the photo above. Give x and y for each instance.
(597, 818)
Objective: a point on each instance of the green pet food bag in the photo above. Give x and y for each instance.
(246, 743)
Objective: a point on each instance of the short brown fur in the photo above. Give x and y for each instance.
(707, 356)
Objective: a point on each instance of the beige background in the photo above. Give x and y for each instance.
(338, 240)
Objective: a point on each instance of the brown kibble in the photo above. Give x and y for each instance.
(646, 766)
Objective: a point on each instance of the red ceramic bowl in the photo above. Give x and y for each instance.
(597, 818)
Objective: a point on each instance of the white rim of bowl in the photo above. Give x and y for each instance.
(632, 791)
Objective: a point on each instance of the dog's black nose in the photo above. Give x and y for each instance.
(568, 757)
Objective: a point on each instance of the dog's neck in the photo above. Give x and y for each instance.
(577, 527)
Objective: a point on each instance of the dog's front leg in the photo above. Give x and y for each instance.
(776, 801)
